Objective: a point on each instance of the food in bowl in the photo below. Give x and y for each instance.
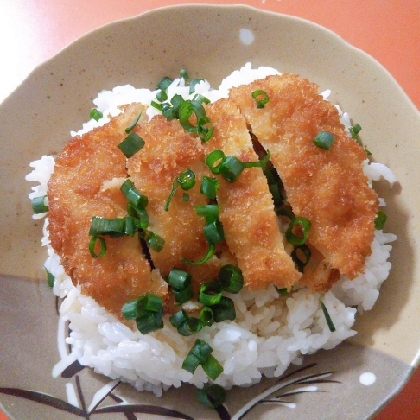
(211, 236)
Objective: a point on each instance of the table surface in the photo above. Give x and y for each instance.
(32, 31)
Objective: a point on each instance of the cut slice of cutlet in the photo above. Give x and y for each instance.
(246, 205)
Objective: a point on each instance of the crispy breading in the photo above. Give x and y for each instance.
(168, 151)
(76, 193)
(328, 187)
(246, 205)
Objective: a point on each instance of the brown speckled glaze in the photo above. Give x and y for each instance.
(36, 119)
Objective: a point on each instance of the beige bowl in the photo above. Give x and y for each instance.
(56, 98)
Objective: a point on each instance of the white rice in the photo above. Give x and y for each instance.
(270, 331)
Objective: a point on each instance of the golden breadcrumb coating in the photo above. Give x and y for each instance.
(246, 205)
(77, 191)
(328, 187)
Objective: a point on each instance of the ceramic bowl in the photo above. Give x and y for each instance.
(209, 41)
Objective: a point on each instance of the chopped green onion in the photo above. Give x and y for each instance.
(190, 326)
(50, 278)
(185, 180)
(214, 159)
(183, 74)
(162, 96)
(209, 187)
(209, 254)
(213, 232)
(230, 168)
(200, 354)
(301, 263)
(261, 98)
(146, 310)
(134, 123)
(140, 214)
(154, 104)
(205, 133)
(330, 323)
(92, 245)
(210, 293)
(305, 226)
(130, 310)
(164, 83)
(324, 140)
(206, 316)
(103, 226)
(131, 144)
(259, 164)
(178, 318)
(154, 241)
(95, 114)
(224, 310)
(185, 197)
(149, 322)
(210, 212)
(380, 220)
(193, 83)
(133, 195)
(200, 98)
(38, 205)
(212, 396)
(212, 367)
(355, 130)
(282, 291)
(183, 295)
(231, 278)
(179, 279)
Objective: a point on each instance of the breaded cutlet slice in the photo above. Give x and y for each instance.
(85, 183)
(328, 187)
(246, 205)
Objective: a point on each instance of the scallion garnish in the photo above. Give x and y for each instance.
(324, 140)
(190, 326)
(206, 316)
(133, 195)
(283, 291)
(305, 226)
(230, 167)
(131, 144)
(355, 130)
(186, 180)
(212, 396)
(50, 278)
(184, 74)
(261, 98)
(213, 231)
(92, 245)
(38, 205)
(95, 114)
(330, 323)
(210, 293)
(180, 281)
(153, 240)
(380, 220)
(103, 226)
(164, 83)
(178, 318)
(133, 124)
(231, 278)
(224, 310)
(146, 310)
(201, 354)
(193, 83)
(209, 187)
(297, 254)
